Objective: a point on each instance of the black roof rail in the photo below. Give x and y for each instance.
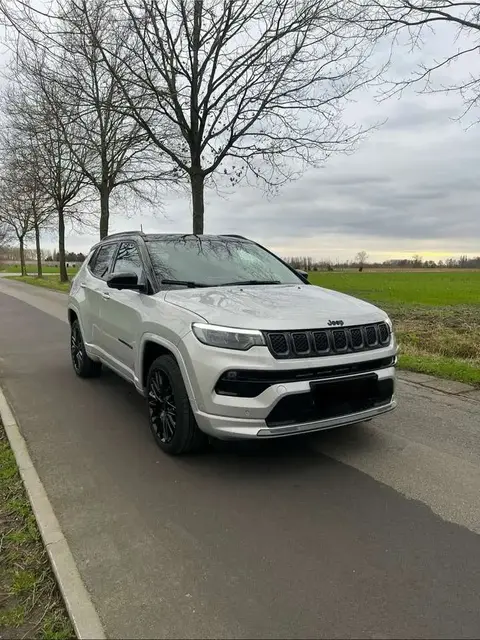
(123, 233)
(233, 235)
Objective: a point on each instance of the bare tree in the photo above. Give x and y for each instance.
(257, 84)
(62, 56)
(22, 150)
(361, 259)
(41, 209)
(416, 18)
(417, 260)
(120, 153)
(5, 235)
(35, 109)
(16, 195)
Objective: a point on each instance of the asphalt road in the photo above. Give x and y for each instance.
(364, 532)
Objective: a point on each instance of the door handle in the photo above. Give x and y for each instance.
(106, 295)
(83, 285)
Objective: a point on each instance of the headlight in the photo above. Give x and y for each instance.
(228, 337)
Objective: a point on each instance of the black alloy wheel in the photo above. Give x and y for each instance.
(172, 422)
(76, 347)
(162, 407)
(83, 366)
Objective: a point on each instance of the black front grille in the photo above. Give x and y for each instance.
(383, 333)
(340, 340)
(371, 333)
(300, 343)
(323, 342)
(278, 343)
(357, 337)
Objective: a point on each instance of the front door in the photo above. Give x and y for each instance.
(120, 311)
(95, 288)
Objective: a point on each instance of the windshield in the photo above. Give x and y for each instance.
(216, 261)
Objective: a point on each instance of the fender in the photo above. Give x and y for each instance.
(152, 337)
(89, 347)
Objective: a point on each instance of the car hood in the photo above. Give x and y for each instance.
(274, 307)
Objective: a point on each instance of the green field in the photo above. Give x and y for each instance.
(437, 288)
(32, 268)
(436, 316)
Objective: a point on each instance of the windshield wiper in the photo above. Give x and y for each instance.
(186, 283)
(248, 282)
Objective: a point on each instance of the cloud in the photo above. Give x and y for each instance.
(417, 115)
(411, 187)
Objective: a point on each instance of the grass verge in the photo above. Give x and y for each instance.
(30, 603)
(51, 282)
(440, 341)
(441, 367)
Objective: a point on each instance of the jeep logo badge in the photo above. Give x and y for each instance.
(335, 323)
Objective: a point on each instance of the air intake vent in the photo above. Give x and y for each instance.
(357, 338)
(371, 333)
(278, 343)
(300, 342)
(340, 340)
(384, 333)
(321, 341)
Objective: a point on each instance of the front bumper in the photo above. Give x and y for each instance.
(238, 428)
(233, 417)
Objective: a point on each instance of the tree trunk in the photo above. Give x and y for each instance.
(104, 210)
(197, 180)
(61, 246)
(39, 251)
(22, 257)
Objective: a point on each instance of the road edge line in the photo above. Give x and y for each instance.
(82, 613)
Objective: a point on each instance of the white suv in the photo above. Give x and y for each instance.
(225, 339)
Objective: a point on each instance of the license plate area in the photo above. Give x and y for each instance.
(331, 398)
(344, 396)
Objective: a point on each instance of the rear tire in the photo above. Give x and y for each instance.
(172, 422)
(83, 366)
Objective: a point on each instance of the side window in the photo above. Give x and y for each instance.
(128, 260)
(100, 263)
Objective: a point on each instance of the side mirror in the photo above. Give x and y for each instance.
(125, 281)
(303, 274)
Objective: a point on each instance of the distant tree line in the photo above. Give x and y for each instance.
(307, 263)
(12, 254)
(70, 256)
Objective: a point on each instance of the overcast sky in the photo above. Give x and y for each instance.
(412, 187)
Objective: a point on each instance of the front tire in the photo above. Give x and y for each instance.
(83, 366)
(172, 422)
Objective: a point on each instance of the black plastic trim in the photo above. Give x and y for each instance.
(312, 338)
(248, 383)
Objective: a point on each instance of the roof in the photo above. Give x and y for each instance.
(159, 236)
